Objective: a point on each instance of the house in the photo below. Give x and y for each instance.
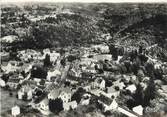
(25, 90)
(20, 95)
(43, 106)
(54, 94)
(51, 74)
(138, 110)
(4, 56)
(99, 83)
(50, 87)
(15, 111)
(9, 39)
(119, 84)
(62, 93)
(87, 87)
(127, 112)
(90, 70)
(2, 83)
(54, 56)
(101, 48)
(75, 73)
(131, 88)
(10, 67)
(96, 92)
(13, 83)
(65, 95)
(108, 103)
(164, 88)
(85, 99)
(102, 57)
(70, 105)
(111, 92)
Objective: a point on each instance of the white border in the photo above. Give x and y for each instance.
(86, 1)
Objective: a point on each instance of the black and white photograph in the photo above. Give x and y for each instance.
(83, 59)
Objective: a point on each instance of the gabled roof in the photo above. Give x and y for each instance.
(55, 93)
(14, 80)
(51, 87)
(45, 101)
(98, 80)
(105, 100)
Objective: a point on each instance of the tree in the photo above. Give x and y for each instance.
(38, 72)
(56, 105)
(139, 95)
(71, 58)
(63, 62)
(78, 95)
(47, 62)
(150, 92)
(140, 49)
(149, 68)
(115, 54)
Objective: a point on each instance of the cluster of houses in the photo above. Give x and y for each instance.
(86, 71)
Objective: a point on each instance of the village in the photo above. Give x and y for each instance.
(83, 60)
(63, 79)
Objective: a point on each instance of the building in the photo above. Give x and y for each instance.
(25, 90)
(53, 94)
(70, 105)
(131, 88)
(51, 74)
(4, 56)
(15, 111)
(13, 83)
(44, 105)
(2, 83)
(101, 48)
(99, 83)
(138, 110)
(111, 92)
(62, 93)
(10, 67)
(108, 103)
(9, 39)
(65, 95)
(87, 87)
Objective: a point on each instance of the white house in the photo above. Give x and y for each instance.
(20, 94)
(9, 39)
(62, 93)
(11, 67)
(65, 95)
(70, 105)
(85, 99)
(102, 48)
(138, 110)
(111, 92)
(131, 88)
(99, 83)
(119, 84)
(15, 111)
(43, 106)
(54, 94)
(54, 56)
(53, 74)
(87, 87)
(2, 83)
